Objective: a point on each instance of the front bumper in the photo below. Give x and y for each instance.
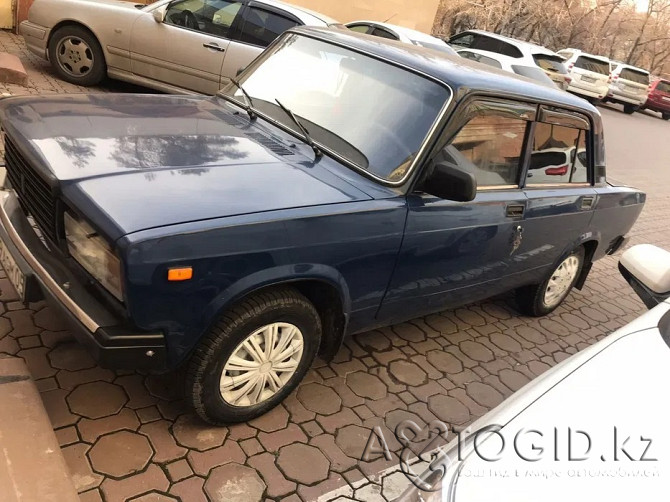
(36, 38)
(113, 342)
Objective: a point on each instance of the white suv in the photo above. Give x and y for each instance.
(628, 86)
(525, 53)
(589, 73)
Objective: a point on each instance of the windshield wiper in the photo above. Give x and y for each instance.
(250, 103)
(307, 137)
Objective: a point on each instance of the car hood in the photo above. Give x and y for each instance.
(132, 162)
(565, 433)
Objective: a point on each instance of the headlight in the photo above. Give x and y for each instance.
(93, 253)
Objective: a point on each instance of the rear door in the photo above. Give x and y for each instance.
(260, 25)
(559, 186)
(590, 72)
(457, 252)
(187, 49)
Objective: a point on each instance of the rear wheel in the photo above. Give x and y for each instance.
(253, 357)
(666, 116)
(629, 109)
(540, 299)
(77, 56)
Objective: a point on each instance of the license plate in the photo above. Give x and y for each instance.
(590, 80)
(13, 271)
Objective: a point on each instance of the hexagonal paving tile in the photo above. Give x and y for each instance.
(444, 361)
(366, 385)
(234, 483)
(407, 372)
(352, 440)
(303, 464)
(192, 432)
(97, 399)
(120, 453)
(154, 497)
(319, 398)
(448, 409)
(274, 420)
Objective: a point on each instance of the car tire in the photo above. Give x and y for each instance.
(76, 55)
(629, 109)
(666, 116)
(539, 299)
(210, 377)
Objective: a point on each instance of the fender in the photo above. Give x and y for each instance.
(275, 276)
(587, 237)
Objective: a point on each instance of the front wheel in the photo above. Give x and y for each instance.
(666, 116)
(541, 299)
(254, 356)
(76, 56)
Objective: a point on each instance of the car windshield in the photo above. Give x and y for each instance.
(550, 63)
(592, 64)
(636, 76)
(371, 113)
(663, 86)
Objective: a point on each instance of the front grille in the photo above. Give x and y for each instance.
(35, 194)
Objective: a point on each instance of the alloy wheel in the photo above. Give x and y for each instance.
(74, 56)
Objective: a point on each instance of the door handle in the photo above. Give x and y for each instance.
(212, 45)
(587, 202)
(514, 210)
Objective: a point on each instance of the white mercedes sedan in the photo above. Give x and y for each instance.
(192, 46)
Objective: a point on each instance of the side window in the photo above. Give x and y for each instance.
(489, 146)
(559, 155)
(262, 27)
(465, 40)
(215, 17)
(379, 32)
(359, 28)
(494, 45)
(480, 58)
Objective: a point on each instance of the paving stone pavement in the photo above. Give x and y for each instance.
(129, 436)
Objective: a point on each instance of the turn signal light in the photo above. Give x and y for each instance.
(180, 274)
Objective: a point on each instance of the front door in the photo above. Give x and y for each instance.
(457, 252)
(189, 48)
(260, 26)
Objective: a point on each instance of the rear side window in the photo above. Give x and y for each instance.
(360, 28)
(489, 146)
(592, 64)
(378, 32)
(480, 59)
(634, 76)
(559, 155)
(550, 63)
(261, 27)
(533, 72)
(464, 40)
(663, 86)
(494, 45)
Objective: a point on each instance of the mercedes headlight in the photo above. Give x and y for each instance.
(93, 253)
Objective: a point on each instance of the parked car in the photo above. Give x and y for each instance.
(525, 53)
(238, 235)
(508, 64)
(589, 74)
(170, 45)
(628, 86)
(561, 162)
(584, 427)
(658, 99)
(407, 35)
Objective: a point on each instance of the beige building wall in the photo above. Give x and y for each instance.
(416, 14)
(6, 14)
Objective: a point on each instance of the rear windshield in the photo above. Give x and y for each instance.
(592, 64)
(663, 86)
(532, 72)
(634, 76)
(550, 63)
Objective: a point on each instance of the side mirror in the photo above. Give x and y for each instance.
(159, 15)
(647, 269)
(451, 183)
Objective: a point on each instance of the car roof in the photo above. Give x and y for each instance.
(301, 11)
(579, 52)
(462, 75)
(631, 67)
(534, 48)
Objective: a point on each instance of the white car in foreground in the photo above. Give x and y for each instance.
(400, 33)
(594, 427)
(508, 64)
